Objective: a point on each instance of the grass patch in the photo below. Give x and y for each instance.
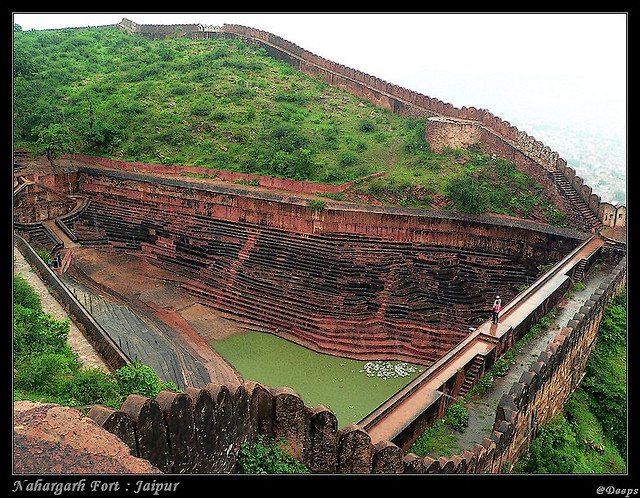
(226, 104)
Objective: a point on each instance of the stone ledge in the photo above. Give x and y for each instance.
(53, 439)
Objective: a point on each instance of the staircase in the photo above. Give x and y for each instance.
(578, 273)
(591, 221)
(472, 375)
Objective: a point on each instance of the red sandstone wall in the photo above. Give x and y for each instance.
(407, 102)
(498, 234)
(230, 176)
(358, 282)
(202, 430)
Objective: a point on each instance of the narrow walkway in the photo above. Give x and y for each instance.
(400, 411)
(51, 225)
(482, 407)
(77, 340)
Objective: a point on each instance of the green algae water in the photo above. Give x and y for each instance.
(350, 388)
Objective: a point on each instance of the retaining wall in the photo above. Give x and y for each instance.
(91, 329)
(202, 430)
(226, 175)
(358, 282)
(410, 103)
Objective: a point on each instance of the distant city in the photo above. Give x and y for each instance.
(590, 134)
(598, 158)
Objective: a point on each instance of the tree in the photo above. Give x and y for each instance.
(23, 65)
(53, 141)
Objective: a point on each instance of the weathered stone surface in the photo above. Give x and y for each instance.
(387, 458)
(204, 424)
(116, 422)
(291, 420)
(321, 452)
(225, 450)
(261, 408)
(150, 430)
(52, 439)
(355, 452)
(178, 416)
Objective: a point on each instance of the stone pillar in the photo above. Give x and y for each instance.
(116, 422)
(355, 452)
(321, 453)
(178, 416)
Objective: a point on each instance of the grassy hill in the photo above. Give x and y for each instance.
(226, 104)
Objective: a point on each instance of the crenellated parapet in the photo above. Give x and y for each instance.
(410, 103)
(203, 430)
(402, 101)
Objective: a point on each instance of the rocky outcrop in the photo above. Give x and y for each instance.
(53, 439)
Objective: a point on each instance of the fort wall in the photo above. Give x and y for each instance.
(410, 103)
(407, 102)
(189, 432)
(202, 430)
(219, 174)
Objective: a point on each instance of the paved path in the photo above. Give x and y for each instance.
(482, 407)
(78, 342)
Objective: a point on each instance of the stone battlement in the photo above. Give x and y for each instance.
(410, 103)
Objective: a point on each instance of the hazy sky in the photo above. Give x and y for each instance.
(542, 72)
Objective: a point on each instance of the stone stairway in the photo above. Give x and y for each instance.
(472, 376)
(349, 294)
(591, 223)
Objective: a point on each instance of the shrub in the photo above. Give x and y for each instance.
(553, 450)
(457, 416)
(469, 195)
(39, 372)
(268, 457)
(200, 108)
(90, 386)
(24, 295)
(501, 367)
(347, 159)
(35, 332)
(367, 127)
(137, 378)
(317, 205)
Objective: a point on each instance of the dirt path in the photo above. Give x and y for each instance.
(482, 407)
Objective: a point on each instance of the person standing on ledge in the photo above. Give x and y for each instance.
(497, 306)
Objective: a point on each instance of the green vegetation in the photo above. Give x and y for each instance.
(317, 205)
(590, 436)
(47, 369)
(225, 104)
(267, 456)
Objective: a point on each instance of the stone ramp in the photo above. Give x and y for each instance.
(175, 353)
